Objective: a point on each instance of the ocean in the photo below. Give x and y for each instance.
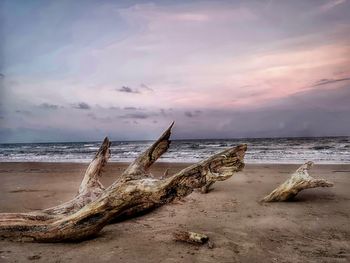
(325, 150)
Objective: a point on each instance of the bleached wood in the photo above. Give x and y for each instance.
(300, 180)
(90, 187)
(135, 191)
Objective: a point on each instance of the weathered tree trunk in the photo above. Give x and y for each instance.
(135, 191)
(299, 181)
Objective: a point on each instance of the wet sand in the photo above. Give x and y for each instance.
(313, 228)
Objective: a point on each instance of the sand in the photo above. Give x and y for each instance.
(313, 228)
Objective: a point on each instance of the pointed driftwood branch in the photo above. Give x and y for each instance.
(134, 192)
(139, 168)
(90, 187)
(299, 181)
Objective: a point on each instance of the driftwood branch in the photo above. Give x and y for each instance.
(300, 180)
(139, 168)
(220, 173)
(135, 191)
(90, 187)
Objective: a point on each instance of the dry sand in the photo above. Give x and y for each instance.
(313, 228)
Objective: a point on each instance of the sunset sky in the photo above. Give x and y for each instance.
(81, 70)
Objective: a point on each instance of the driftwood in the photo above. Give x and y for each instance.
(207, 187)
(190, 237)
(299, 181)
(133, 192)
(213, 177)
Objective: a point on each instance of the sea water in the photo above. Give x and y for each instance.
(270, 150)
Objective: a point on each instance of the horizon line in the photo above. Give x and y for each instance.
(197, 139)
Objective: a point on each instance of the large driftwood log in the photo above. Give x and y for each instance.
(133, 192)
(299, 181)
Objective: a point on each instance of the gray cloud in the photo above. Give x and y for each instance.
(130, 108)
(135, 116)
(127, 89)
(328, 81)
(114, 108)
(24, 112)
(101, 119)
(82, 106)
(144, 86)
(166, 112)
(192, 114)
(49, 106)
(92, 116)
(315, 112)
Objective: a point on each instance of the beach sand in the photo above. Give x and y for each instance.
(313, 228)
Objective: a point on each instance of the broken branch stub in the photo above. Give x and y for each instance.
(300, 180)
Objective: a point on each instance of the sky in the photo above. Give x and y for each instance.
(82, 70)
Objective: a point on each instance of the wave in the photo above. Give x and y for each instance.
(279, 150)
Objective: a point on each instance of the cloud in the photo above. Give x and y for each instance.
(146, 87)
(329, 81)
(114, 108)
(49, 106)
(223, 56)
(166, 112)
(92, 116)
(82, 106)
(97, 118)
(135, 116)
(127, 90)
(192, 114)
(24, 112)
(130, 108)
(330, 5)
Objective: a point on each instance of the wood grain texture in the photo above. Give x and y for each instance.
(299, 180)
(134, 192)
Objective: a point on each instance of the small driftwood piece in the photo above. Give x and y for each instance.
(190, 237)
(300, 180)
(133, 192)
